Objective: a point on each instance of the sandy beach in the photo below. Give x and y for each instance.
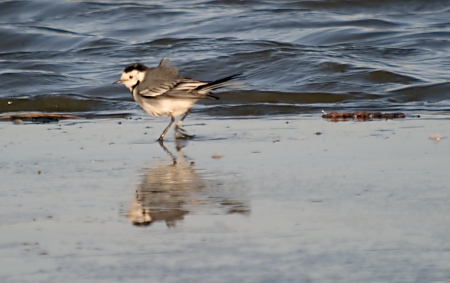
(285, 199)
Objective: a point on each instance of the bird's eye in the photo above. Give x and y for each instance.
(131, 77)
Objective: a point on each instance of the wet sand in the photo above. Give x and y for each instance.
(288, 199)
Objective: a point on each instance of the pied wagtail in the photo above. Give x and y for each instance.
(161, 91)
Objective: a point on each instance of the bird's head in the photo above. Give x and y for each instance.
(132, 75)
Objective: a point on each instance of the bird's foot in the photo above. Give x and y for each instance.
(181, 133)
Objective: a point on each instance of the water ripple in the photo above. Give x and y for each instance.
(296, 56)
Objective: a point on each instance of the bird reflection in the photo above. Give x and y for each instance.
(169, 192)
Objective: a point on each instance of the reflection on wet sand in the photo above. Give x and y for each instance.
(169, 192)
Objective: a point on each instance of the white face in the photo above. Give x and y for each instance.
(129, 79)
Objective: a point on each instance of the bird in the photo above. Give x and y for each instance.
(161, 91)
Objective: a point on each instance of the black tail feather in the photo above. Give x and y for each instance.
(218, 82)
(223, 80)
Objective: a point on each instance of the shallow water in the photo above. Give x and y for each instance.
(297, 56)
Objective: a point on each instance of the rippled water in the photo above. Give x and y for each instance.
(297, 56)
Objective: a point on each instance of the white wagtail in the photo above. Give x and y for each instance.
(161, 91)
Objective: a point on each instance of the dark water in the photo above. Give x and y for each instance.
(297, 56)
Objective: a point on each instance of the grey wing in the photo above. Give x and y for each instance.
(181, 88)
(164, 62)
(164, 74)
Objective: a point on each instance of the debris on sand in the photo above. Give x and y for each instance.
(37, 117)
(436, 138)
(361, 116)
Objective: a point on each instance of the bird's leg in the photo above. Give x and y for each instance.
(180, 122)
(161, 137)
(180, 133)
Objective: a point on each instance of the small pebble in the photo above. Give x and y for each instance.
(17, 121)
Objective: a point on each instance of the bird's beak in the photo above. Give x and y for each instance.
(117, 82)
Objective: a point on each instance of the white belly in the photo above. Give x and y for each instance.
(166, 107)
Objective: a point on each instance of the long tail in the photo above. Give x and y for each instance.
(207, 88)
